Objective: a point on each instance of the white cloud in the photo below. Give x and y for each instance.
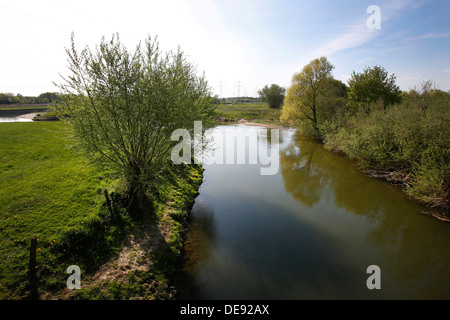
(355, 36)
(357, 33)
(430, 36)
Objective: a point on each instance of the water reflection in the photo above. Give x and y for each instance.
(310, 232)
(302, 179)
(201, 238)
(279, 258)
(413, 246)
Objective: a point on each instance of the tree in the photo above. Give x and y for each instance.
(302, 103)
(48, 97)
(123, 107)
(273, 95)
(5, 98)
(215, 99)
(373, 85)
(332, 103)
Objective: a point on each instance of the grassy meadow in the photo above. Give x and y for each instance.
(254, 112)
(48, 189)
(12, 107)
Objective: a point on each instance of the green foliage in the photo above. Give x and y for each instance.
(313, 97)
(48, 190)
(412, 137)
(273, 95)
(373, 85)
(174, 197)
(46, 97)
(215, 100)
(147, 285)
(255, 112)
(404, 135)
(123, 106)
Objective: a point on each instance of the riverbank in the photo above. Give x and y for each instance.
(270, 124)
(28, 116)
(36, 112)
(252, 112)
(49, 190)
(145, 266)
(275, 125)
(20, 112)
(400, 177)
(45, 116)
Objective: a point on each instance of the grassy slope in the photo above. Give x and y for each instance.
(145, 268)
(48, 189)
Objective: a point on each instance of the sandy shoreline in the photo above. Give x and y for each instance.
(29, 116)
(255, 124)
(263, 125)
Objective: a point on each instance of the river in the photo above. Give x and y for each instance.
(310, 231)
(15, 119)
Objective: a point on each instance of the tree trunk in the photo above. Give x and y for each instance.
(140, 203)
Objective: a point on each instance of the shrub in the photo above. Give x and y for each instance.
(413, 137)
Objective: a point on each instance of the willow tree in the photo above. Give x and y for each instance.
(123, 106)
(273, 95)
(302, 102)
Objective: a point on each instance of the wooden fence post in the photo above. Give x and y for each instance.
(108, 201)
(32, 269)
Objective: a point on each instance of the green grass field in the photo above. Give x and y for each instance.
(255, 112)
(8, 107)
(47, 188)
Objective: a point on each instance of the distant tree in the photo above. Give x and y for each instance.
(427, 94)
(5, 98)
(48, 97)
(302, 104)
(215, 99)
(273, 95)
(373, 85)
(10, 98)
(124, 106)
(19, 99)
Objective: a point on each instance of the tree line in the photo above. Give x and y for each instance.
(403, 137)
(46, 97)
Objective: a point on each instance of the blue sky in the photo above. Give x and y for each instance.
(241, 45)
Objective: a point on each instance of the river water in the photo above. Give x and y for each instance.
(310, 231)
(14, 119)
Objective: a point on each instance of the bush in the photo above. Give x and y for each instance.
(412, 137)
